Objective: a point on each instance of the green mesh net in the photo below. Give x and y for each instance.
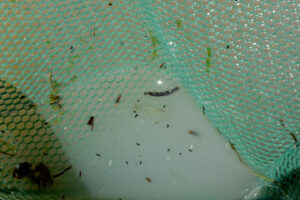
(60, 61)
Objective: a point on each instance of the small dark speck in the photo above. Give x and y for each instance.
(138, 144)
(180, 153)
(168, 150)
(190, 150)
(23, 97)
(122, 43)
(141, 162)
(110, 4)
(138, 100)
(135, 116)
(227, 47)
(80, 174)
(203, 110)
(134, 111)
(98, 155)
(126, 162)
(168, 125)
(2, 131)
(63, 197)
(72, 49)
(120, 199)
(164, 106)
(45, 153)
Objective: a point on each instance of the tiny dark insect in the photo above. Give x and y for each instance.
(23, 97)
(138, 100)
(110, 4)
(168, 150)
(138, 144)
(162, 65)
(227, 47)
(45, 153)
(79, 174)
(135, 116)
(168, 125)
(91, 122)
(63, 197)
(148, 179)
(122, 43)
(164, 106)
(126, 162)
(164, 93)
(46, 123)
(203, 110)
(141, 162)
(180, 153)
(72, 49)
(61, 173)
(134, 111)
(190, 150)
(118, 99)
(98, 155)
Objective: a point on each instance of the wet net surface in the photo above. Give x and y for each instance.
(239, 59)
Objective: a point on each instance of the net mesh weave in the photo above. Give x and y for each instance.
(238, 59)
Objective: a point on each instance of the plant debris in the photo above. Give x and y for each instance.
(148, 180)
(40, 175)
(178, 23)
(61, 173)
(22, 170)
(162, 66)
(91, 122)
(5, 153)
(234, 149)
(192, 132)
(164, 93)
(294, 138)
(208, 59)
(118, 99)
(290, 133)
